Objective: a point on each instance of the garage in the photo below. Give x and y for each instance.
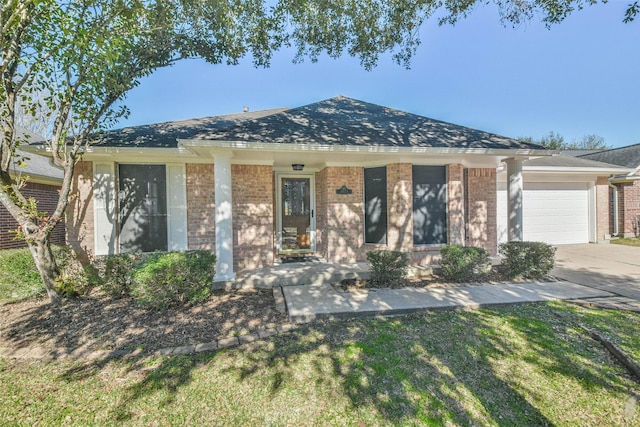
(553, 212)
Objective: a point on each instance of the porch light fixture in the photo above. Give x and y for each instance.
(297, 166)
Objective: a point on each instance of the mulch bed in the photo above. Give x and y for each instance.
(97, 322)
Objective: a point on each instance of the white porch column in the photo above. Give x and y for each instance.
(224, 219)
(515, 188)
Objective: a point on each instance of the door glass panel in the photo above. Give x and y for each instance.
(142, 201)
(296, 214)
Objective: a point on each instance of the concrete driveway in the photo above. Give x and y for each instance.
(613, 268)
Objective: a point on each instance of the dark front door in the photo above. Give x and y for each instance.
(296, 213)
(142, 201)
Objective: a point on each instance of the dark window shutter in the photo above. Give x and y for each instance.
(375, 205)
(429, 205)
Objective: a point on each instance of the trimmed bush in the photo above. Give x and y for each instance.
(387, 265)
(73, 279)
(168, 278)
(464, 263)
(531, 260)
(115, 274)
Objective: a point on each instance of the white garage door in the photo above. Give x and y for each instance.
(553, 212)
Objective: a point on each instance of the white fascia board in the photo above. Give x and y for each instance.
(293, 147)
(570, 170)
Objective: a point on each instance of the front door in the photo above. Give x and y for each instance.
(296, 220)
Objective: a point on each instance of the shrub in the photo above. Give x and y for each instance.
(532, 260)
(464, 263)
(115, 274)
(73, 279)
(167, 278)
(387, 265)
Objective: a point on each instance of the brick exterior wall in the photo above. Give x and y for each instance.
(629, 208)
(253, 210)
(47, 197)
(400, 207)
(455, 197)
(603, 221)
(482, 223)
(340, 217)
(79, 213)
(201, 203)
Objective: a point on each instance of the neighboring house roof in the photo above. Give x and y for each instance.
(628, 156)
(347, 121)
(166, 134)
(562, 161)
(37, 167)
(577, 152)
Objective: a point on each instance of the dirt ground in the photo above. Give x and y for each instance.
(96, 322)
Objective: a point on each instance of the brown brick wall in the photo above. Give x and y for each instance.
(455, 195)
(80, 228)
(340, 217)
(603, 221)
(253, 203)
(201, 224)
(482, 224)
(47, 197)
(400, 207)
(629, 207)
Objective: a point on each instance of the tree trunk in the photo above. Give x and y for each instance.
(40, 248)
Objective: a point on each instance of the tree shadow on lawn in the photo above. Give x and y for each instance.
(468, 368)
(96, 322)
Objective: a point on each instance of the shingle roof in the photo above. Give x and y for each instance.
(564, 161)
(36, 165)
(628, 156)
(166, 134)
(347, 121)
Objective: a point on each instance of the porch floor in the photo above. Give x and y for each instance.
(300, 273)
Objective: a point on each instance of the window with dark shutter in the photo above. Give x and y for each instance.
(375, 205)
(429, 205)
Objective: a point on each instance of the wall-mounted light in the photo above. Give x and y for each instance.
(297, 166)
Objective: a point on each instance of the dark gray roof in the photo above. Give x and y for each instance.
(346, 121)
(166, 134)
(37, 166)
(628, 156)
(577, 152)
(563, 161)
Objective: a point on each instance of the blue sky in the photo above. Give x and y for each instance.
(580, 77)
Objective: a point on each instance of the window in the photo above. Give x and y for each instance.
(429, 205)
(375, 205)
(142, 206)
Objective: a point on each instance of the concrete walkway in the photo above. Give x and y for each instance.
(307, 303)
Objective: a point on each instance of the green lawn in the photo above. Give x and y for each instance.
(19, 278)
(516, 366)
(629, 241)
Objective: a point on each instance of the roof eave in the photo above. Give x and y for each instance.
(276, 146)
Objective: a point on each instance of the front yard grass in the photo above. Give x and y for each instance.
(19, 278)
(628, 241)
(513, 366)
